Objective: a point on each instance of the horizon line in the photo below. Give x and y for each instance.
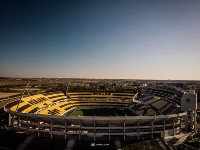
(98, 78)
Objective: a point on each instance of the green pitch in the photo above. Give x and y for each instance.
(101, 112)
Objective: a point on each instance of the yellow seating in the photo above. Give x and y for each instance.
(101, 94)
(57, 96)
(62, 107)
(57, 107)
(56, 104)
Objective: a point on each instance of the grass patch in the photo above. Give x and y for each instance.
(69, 112)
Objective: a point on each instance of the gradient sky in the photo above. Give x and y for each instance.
(152, 39)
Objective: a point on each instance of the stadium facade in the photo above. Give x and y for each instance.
(156, 112)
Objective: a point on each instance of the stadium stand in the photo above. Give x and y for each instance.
(155, 112)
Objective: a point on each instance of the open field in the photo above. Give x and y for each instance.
(5, 95)
(27, 89)
(101, 112)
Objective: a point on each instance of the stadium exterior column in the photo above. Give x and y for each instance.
(152, 129)
(10, 119)
(186, 121)
(164, 129)
(152, 123)
(109, 129)
(65, 130)
(94, 128)
(173, 127)
(195, 121)
(51, 129)
(38, 128)
(27, 128)
(138, 130)
(180, 124)
(125, 128)
(79, 122)
(18, 119)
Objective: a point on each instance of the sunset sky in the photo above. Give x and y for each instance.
(122, 39)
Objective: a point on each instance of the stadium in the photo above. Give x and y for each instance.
(150, 112)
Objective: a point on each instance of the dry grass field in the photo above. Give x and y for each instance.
(28, 89)
(5, 95)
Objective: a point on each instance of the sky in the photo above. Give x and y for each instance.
(107, 39)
